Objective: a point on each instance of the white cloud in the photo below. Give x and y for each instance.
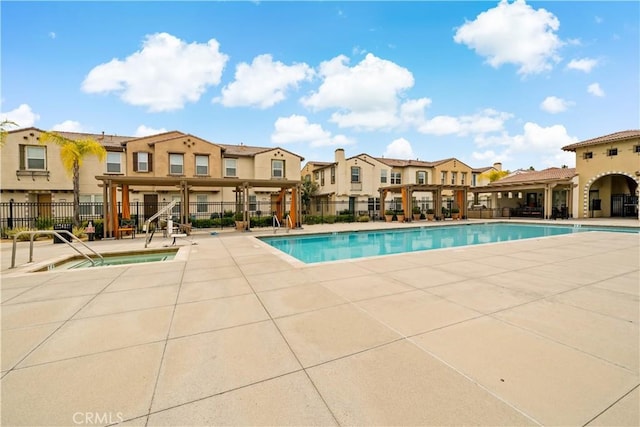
(595, 90)
(263, 83)
(52, 35)
(68, 126)
(514, 33)
(366, 96)
(296, 129)
(164, 75)
(146, 131)
(536, 145)
(584, 64)
(399, 149)
(486, 121)
(553, 104)
(21, 116)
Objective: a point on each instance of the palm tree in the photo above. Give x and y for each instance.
(309, 190)
(72, 153)
(3, 129)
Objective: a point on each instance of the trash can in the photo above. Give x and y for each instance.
(57, 227)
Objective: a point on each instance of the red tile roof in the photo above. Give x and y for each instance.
(618, 136)
(550, 174)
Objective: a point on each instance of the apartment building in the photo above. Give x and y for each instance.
(608, 169)
(146, 171)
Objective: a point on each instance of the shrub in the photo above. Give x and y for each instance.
(416, 210)
(363, 218)
(44, 223)
(23, 238)
(79, 232)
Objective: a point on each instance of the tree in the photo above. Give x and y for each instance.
(309, 190)
(496, 175)
(3, 130)
(72, 154)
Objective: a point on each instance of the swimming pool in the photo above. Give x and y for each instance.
(348, 245)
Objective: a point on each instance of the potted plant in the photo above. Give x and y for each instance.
(430, 214)
(455, 213)
(416, 213)
(400, 216)
(388, 215)
(240, 223)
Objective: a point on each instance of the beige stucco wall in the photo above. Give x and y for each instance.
(598, 173)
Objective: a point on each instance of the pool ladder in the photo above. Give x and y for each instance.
(56, 233)
(276, 224)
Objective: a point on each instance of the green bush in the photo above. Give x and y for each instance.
(23, 238)
(363, 218)
(44, 223)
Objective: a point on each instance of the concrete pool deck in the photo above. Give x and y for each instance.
(542, 331)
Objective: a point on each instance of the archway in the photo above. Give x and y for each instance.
(611, 194)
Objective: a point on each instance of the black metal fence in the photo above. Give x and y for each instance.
(42, 216)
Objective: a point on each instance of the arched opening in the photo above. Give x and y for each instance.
(613, 196)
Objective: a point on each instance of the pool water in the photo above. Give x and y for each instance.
(349, 245)
(113, 259)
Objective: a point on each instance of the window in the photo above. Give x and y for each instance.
(141, 162)
(230, 167)
(373, 204)
(277, 169)
(396, 178)
(454, 178)
(316, 176)
(474, 179)
(35, 157)
(443, 177)
(253, 204)
(636, 148)
(176, 164)
(612, 152)
(463, 178)
(113, 162)
(307, 178)
(333, 174)
(587, 155)
(421, 177)
(90, 205)
(202, 164)
(322, 178)
(355, 174)
(383, 176)
(201, 203)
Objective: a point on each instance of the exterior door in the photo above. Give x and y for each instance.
(150, 205)
(44, 205)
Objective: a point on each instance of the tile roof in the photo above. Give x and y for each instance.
(550, 174)
(613, 137)
(250, 151)
(403, 163)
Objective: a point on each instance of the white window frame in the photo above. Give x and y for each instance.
(454, 178)
(173, 164)
(31, 154)
(201, 158)
(201, 203)
(396, 178)
(383, 176)
(141, 155)
(355, 173)
(111, 162)
(231, 167)
(421, 177)
(277, 172)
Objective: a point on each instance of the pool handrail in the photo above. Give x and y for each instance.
(274, 222)
(147, 223)
(57, 234)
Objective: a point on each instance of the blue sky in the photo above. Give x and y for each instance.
(484, 82)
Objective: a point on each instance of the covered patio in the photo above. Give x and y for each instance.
(288, 189)
(459, 194)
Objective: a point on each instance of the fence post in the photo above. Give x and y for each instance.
(10, 219)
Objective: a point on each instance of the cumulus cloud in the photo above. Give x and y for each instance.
(399, 149)
(514, 33)
(584, 64)
(68, 126)
(595, 90)
(22, 116)
(262, 83)
(553, 104)
(485, 121)
(163, 75)
(146, 131)
(366, 96)
(296, 129)
(536, 144)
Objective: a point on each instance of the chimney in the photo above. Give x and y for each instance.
(498, 166)
(339, 158)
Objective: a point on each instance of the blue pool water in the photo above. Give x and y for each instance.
(339, 246)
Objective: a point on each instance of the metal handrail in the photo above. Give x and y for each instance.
(289, 223)
(32, 234)
(274, 222)
(147, 223)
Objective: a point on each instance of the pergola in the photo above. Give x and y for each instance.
(407, 190)
(110, 185)
(542, 186)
